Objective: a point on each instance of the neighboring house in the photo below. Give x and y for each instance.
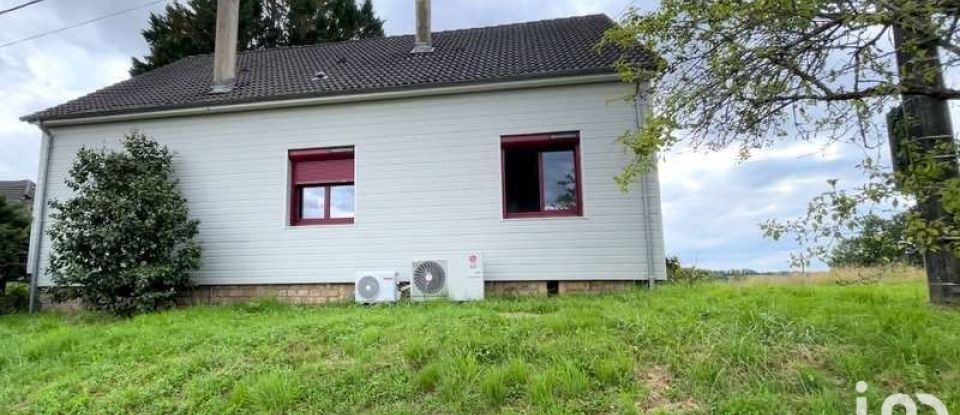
(18, 191)
(319, 161)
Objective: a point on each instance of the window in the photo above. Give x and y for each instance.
(322, 188)
(541, 175)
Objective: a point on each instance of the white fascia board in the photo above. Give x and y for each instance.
(340, 99)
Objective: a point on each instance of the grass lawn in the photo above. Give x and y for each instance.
(767, 346)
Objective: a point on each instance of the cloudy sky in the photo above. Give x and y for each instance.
(713, 205)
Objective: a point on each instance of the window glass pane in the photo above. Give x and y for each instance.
(341, 201)
(559, 180)
(311, 202)
(521, 180)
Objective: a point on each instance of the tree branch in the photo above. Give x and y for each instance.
(944, 93)
(949, 46)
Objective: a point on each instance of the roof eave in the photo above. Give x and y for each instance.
(581, 77)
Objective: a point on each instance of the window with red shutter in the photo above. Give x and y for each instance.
(322, 186)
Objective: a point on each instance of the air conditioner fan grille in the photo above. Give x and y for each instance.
(368, 287)
(429, 277)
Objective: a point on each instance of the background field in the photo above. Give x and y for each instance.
(761, 345)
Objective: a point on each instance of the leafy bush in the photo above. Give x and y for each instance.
(14, 239)
(677, 273)
(123, 243)
(15, 299)
(880, 241)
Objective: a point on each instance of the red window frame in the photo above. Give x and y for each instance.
(564, 140)
(297, 184)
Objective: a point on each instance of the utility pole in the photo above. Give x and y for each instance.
(928, 130)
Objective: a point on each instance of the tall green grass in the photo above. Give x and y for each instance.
(755, 347)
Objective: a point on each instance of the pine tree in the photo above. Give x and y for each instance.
(368, 24)
(181, 31)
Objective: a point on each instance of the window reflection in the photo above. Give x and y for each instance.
(341, 201)
(312, 202)
(559, 180)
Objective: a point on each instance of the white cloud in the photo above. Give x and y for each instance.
(714, 204)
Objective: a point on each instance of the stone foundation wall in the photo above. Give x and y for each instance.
(541, 288)
(339, 293)
(47, 304)
(576, 287)
(515, 288)
(284, 293)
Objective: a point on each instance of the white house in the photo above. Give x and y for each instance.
(310, 163)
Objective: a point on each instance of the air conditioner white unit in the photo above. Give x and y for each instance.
(376, 287)
(428, 279)
(457, 277)
(466, 281)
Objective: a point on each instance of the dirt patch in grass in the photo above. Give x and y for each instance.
(805, 355)
(658, 382)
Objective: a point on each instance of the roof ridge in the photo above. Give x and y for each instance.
(374, 39)
(529, 22)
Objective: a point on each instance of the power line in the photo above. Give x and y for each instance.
(31, 2)
(83, 23)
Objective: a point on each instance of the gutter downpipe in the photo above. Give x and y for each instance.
(39, 215)
(641, 104)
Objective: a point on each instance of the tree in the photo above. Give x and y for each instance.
(750, 74)
(880, 241)
(123, 243)
(14, 239)
(318, 21)
(184, 30)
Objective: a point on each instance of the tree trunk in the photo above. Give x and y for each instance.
(931, 132)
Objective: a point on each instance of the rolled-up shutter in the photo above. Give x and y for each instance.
(315, 167)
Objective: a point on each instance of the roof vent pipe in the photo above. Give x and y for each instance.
(423, 43)
(225, 49)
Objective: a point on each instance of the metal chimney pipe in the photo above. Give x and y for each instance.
(423, 42)
(225, 49)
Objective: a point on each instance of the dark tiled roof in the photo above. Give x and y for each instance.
(17, 190)
(499, 53)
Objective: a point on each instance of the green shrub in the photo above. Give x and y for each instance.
(14, 239)
(687, 275)
(878, 241)
(123, 242)
(15, 300)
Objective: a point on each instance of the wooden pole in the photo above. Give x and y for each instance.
(929, 130)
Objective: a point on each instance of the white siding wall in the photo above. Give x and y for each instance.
(428, 184)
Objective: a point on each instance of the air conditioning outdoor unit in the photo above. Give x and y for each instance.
(376, 287)
(457, 277)
(428, 280)
(466, 280)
